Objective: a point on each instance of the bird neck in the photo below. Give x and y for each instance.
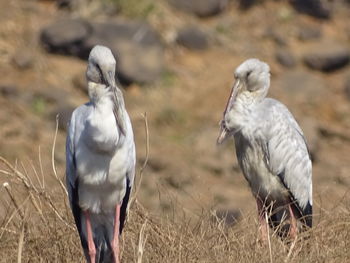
(99, 94)
(246, 102)
(109, 100)
(248, 98)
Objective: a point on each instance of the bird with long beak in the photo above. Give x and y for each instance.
(271, 151)
(100, 161)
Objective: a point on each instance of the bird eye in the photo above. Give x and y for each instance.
(248, 73)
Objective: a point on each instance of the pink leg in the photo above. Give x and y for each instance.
(91, 244)
(262, 221)
(115, 241)
(293, 230)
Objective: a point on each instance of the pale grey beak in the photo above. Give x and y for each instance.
(109, 78)
(224, 131)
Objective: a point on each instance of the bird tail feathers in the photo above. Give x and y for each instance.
(102, 235)
(104, 253)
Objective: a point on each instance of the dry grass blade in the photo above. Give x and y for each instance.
(53, 159)
(15, 172)
(20, 243)
(138, 186)
(41, 169)
(7, 187)
(268, 238)
(142, 242)
(291, 249)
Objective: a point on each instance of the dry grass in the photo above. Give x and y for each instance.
(36, 226)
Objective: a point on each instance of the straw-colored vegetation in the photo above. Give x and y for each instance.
(37, 226)
(185, 106)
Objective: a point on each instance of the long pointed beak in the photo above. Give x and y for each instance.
(223, 134)
(110, 78)
(224, 131)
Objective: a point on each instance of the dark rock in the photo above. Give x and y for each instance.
(309, 33)
(9, 91)
(192, 38)
(347, 87)
(65, 36)
(201, 8)
(246, 4)
(136, 46)
(276, 36)
(228, 216)
(315, 8)
(51, 95)
(327, 57)
(65, 3)
(301, 86)
(155, 164)
(23, 59)
(285, 58)
(64, 113)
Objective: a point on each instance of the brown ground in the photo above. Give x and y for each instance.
(187, 173)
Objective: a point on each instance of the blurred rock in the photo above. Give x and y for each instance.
(64, 113)
(285, 58)
(201, 8)
(316, 8)
(276, 36)
(311, 132)
(136, 46)
(246, 4)
(228, 216)
(301, 86)
(51, 95)
(192, 38)
(347, 87)
(309, 33)
(23, 59)
(327, 57)
(65, 36)
(9, 91)
(65, 3)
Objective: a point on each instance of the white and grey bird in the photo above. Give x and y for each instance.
(271, 150)
(100, 161)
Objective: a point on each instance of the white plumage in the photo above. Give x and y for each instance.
(100, 161)
(270, 148)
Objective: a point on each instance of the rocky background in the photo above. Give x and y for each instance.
(176, 60)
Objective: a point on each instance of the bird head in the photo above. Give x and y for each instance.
(252, 77)
(101, 72)
(101, 66)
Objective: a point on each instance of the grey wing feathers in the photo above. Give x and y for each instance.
(70, 161)
(72, 182)
(288, 156)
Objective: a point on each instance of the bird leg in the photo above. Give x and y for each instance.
(263, 227)
(115, 241)
(91, 244)
(293, 229)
